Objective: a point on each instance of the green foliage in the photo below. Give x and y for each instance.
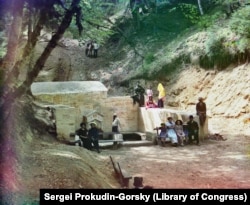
(206, 21)
(243, 44)
(214, 45)
(94, 22)
(240, 21)
(217, 52)
(149, 58)
(190, 11)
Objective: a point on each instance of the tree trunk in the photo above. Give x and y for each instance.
(11, 93)
(200, 7)
(13, 36)
(28, 49)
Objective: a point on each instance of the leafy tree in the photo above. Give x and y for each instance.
(16, 56)
(33, 16)
(21, 23)
(240, 21)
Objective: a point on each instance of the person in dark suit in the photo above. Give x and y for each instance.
(193, 130)
(93, 134)
(82, 132)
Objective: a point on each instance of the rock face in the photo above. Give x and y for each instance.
(44, 161)
(226, 92)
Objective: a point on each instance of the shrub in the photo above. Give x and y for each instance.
(149, 58)
(240, 22)
(216, 52)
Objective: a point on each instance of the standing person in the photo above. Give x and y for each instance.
(171, 131)
(201, 110)
(82, 133)
(50, 115)
(161, 95)
(180, 132)
(116, 124)
(96, 47)
(93, 134)
(149, 92)
(90, 49)
(87, 49)
(193, 130)
(139, 91)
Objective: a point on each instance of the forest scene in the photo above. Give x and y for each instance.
(196, 48)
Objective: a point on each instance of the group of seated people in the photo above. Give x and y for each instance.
(177, 133)
(88, 138)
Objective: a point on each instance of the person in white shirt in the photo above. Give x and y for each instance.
(96, 47)
(149, 92)
(116, 125)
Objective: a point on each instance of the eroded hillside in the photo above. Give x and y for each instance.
(226, 92)
(43, 162)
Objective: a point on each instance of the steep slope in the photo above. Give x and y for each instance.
(226, 92)
(43, 162)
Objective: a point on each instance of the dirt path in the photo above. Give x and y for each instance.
(214, 164)
(48, 163)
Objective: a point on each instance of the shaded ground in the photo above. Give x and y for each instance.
(46, 163)
(213, 164)
(43, 162)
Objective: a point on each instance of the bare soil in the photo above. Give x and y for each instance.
(43, 162)
(214, 164)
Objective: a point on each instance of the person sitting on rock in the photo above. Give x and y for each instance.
(93, 134)
(150, 103)
(193, 130)
(171, 131)
(162, 135)
(82, 133)
(180, 132)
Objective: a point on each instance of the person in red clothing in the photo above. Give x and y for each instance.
(150, 103)
(149, 92)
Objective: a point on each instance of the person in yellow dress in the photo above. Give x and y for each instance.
(161, 95)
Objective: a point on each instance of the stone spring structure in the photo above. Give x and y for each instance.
(78, 101)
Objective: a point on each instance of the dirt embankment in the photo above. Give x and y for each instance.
(45, 163)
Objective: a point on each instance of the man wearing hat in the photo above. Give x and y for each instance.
(201, 110)
(82, 133)
(93, 133)
(116, 123)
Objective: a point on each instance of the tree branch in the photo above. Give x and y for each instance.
(13, 93)
(14, 34)
(125, 37)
